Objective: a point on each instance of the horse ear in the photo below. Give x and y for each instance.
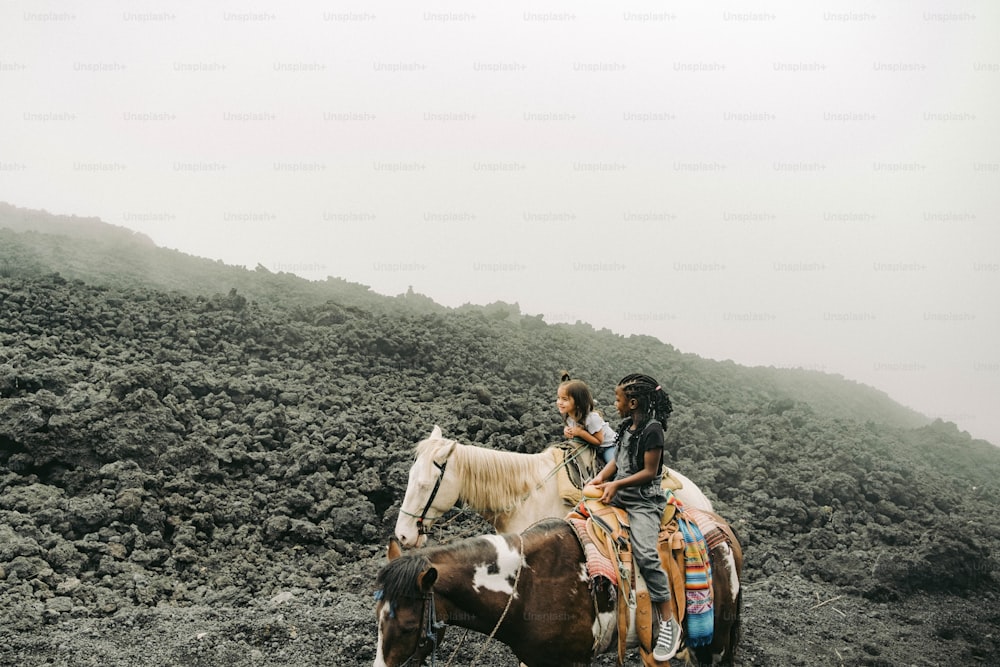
(436, 433)
(447, 451)
(395, 550)
(426, 579)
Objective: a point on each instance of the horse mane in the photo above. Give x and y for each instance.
(492, 480)
(398, 579)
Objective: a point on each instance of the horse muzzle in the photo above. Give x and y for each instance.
(412, 540)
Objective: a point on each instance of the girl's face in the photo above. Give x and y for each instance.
(565, 402)
(623, 404)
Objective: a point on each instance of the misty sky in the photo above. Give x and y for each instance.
(777, 183)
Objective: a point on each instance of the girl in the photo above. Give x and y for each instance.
(632, 481)
(576, 405)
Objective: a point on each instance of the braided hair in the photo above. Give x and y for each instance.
(653, 403)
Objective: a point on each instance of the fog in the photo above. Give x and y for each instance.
(809, 185)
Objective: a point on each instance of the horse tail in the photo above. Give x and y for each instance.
(736, 629)
(703, 654)
(728, 641)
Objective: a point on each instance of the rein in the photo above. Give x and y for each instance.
(513, 592)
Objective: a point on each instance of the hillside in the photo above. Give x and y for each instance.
(35, 243)
(205, 452)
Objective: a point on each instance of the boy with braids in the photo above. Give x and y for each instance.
(632, 481)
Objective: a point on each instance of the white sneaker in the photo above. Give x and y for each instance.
(667, 641)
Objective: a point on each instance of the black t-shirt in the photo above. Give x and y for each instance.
(631, 455)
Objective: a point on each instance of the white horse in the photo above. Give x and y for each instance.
(510, 490)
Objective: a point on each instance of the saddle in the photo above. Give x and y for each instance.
(577, 463)
(607, 527)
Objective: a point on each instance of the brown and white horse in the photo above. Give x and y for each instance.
(510, 490)
(529, 591)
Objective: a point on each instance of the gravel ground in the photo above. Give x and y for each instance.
(191, 481)
(787, 621)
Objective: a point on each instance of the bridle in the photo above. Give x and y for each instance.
(421, 530)
(428, 618)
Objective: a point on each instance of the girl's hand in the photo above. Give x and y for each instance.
(609, 489)
(569, 431)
